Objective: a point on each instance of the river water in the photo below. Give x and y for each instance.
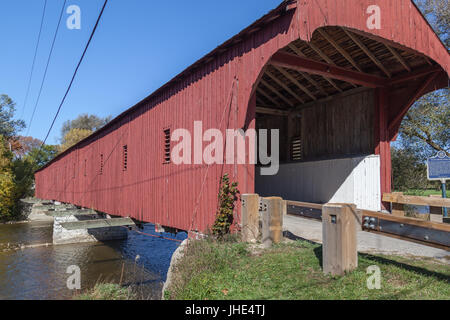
(41, 272)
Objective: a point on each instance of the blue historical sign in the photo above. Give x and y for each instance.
(439, 167)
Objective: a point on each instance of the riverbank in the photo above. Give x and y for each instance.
(292, 270)
(31, 268)
(107, 291)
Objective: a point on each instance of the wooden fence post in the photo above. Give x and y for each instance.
(398, 209)
(272, 220)
(340, 253)
(250, 217)
(436, 210)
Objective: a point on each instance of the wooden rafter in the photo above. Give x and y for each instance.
(285, 87)
(340, 49)
(414, 75)
(265, 95)
(428, 61)
(366, 50)
(393, 44)
(398, 57)
(271, 88)
(305, 75)
(271, 111)
(294, 81)
(328, 60)
(259, 101)
(290, 61)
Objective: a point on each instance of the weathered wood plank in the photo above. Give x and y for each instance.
(272, 111)
(304, 204)
(416, 200)
(339, 239)
(250, 217)
(99, 223)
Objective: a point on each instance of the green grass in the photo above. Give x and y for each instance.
(424, 193)
(106, 291)
(212, 270)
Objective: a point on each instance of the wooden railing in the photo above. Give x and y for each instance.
(399, 201)
(428, 233)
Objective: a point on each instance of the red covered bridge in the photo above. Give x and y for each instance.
(336, 77)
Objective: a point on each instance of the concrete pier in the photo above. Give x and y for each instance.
(64, 236)
(62, 213)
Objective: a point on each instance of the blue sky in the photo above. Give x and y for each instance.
(139, 45)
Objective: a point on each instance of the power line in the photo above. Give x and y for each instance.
(75, 73)
(46, 67)
(34, 60)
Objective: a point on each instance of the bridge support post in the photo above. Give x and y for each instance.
(340, 253)
(250, 217)
(272, 221)
(62, 235)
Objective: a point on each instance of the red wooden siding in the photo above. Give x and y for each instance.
(222, 83)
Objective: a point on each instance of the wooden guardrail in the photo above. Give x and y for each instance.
(304, 209)
(416, 200)
(428, 233)
(399, 201)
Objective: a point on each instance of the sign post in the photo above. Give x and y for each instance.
(438, 169)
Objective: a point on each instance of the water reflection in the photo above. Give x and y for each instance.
(40, 273)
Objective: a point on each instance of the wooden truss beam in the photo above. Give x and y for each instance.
(414, 75)
(392, 44)
(328, 60)
(340, 49)
(300, 53)
(369, 53)
(305, 75)
(265, 95)
(398, 57)
(271, 88)
(289, 61)
(271, 111)
(294, 81)
(285, 87)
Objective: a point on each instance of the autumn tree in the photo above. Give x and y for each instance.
(426, 126)
(21, 146)
(8, 126)
(437, 13)
(85, 122)
(7, 186)
(73, 137)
